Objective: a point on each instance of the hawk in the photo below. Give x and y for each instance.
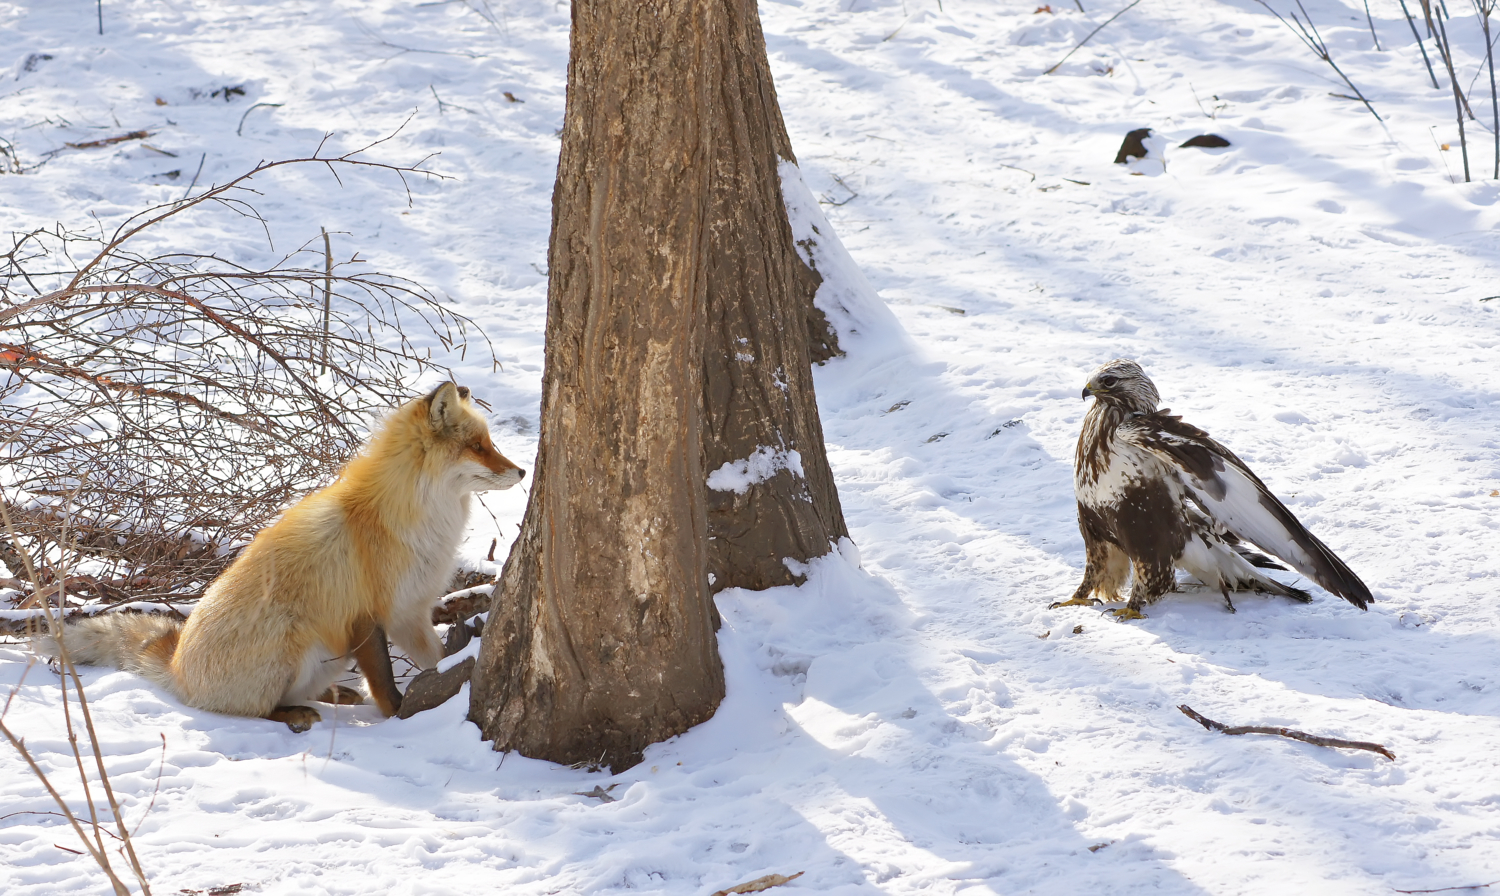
(1156, 494)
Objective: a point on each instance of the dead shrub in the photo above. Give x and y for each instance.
(192, 396)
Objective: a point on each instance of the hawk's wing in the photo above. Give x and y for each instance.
(1240, 502)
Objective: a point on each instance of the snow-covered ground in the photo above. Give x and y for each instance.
(1314, 295)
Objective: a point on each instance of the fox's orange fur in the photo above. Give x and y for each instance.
(375, 548)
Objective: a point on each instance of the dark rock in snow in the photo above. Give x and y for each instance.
(1207, 141)
(1134, 146)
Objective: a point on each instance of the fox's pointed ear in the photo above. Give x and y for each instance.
(444, 410)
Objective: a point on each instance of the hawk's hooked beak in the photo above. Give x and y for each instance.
(1087, 391)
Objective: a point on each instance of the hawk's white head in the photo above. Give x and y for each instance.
(1124, 384)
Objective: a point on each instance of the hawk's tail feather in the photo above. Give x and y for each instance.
(1268, 585)
(1324, 566)
(1296, 594)
(1256, 558)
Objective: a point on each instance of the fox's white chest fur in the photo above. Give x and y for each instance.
(433, 545)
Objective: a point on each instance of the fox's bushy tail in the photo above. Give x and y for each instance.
(142, 643)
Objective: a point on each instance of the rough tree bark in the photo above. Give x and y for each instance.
(757, 367)
(680, 335)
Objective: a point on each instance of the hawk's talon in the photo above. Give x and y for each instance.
(1127, 613)
(1076, 602)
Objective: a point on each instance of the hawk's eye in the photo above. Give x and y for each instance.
(1107, 381)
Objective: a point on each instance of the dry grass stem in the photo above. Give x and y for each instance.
(1090, 36)
(1420, 46)
(96, 848)
(1460, 103)
(1307, 32)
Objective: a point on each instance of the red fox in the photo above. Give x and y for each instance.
(365, 557)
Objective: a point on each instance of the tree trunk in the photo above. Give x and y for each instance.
(680, 330)
(763, 332)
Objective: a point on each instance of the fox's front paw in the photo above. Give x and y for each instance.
(297, 718)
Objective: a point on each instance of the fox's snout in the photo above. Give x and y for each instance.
(501, 481)
(498, 472)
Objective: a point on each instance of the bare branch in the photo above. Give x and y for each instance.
(1316, 740)
(1307, 32)
(197, 395)
(142, 220)
(1451, 889)
(1090, 36)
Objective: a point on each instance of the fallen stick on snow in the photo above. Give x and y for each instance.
(109, 141)
(1447, 889)
(1314, 739)
(761, 883)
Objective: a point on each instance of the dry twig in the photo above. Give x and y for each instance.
(1486, 9)
(1451, 889)
(1371, 19)
(1316, 740)
(96, 848)
(109, 141)
(240, 128)
(10, 162)
(1307, 32)
(1090, 37)
(1420, 46)
(1460, 102)
(760, 884)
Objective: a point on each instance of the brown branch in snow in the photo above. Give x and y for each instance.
(755, 886)
(1460, 102)
(142, 220)
(1451, 889)
(109, 141)
(1314, 739)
